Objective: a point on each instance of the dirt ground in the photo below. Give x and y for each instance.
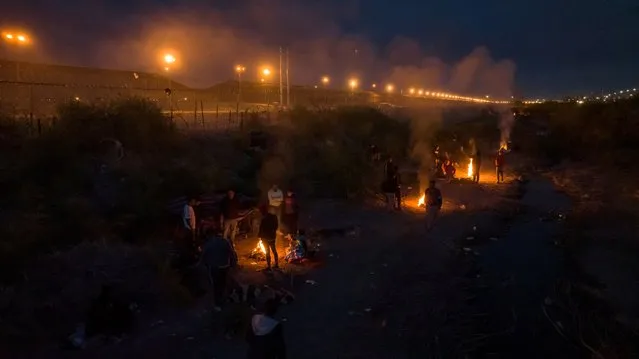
(396, 291)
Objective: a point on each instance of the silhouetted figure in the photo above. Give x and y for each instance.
(500, 162)
(290, 213)
(268, 233)
(476, 166)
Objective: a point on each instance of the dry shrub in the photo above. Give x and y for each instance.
(325, 153)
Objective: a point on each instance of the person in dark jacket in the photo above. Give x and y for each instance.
(231, 215)
(500, 162)
(398, 189)
(390, 169)
(290, 213)
(476, 166)
(268, 233)
(265, 336)
(217, 257)
(433, 197)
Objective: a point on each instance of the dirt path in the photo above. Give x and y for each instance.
(395, 291)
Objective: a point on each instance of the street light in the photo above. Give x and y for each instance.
(411, 91)
(390, 88)
(169, 59)
(239, 69)
(19, 38)
(353, 83)
(374, 86)
(266, 72)
(325, 80)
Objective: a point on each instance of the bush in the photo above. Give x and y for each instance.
(325, 153)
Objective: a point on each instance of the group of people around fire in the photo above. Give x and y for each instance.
(215, 245)
(445, 167)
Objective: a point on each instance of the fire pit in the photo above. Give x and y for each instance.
(259, 252)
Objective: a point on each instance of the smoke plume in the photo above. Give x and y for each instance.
(209, 40)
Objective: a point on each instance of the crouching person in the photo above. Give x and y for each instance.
(218, 256)
(265, 336)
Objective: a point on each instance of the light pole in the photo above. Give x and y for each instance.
(169, 59)
(239, 69)
(266, 73)
(325, 81)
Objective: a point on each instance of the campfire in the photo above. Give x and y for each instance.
(469, 173)
(259, 252)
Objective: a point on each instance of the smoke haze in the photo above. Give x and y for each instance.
(209, 41)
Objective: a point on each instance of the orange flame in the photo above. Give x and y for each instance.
(421, 201)
(470, 168)
(260, 247)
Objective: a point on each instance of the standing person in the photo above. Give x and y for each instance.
(390, 169)
(217, 257)
(500, 162)
(398, 189)
(268, 233)
(476, 165)
(265, 336)
(290, 213)
(449, 170)
(433, 204)
(230, 209)
(389, 188)
(189, 221)
(275, 199)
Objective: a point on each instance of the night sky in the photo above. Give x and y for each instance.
(542, 49)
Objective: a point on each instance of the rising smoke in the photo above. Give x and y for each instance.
(211, 39)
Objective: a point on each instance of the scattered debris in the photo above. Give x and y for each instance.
(311, 282)
(367, 310)
(467, 249)
(470, 238)
(493, 238)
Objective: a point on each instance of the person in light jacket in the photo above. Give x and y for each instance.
(275, 200)
(265, 336)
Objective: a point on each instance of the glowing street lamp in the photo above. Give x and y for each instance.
(239, 69)
(411, 91)
(266, 72)
(374, 86)
(169, 59)
(325, 80)
(420, 92)
(390, 88)
(18, 38)
(353, 83)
